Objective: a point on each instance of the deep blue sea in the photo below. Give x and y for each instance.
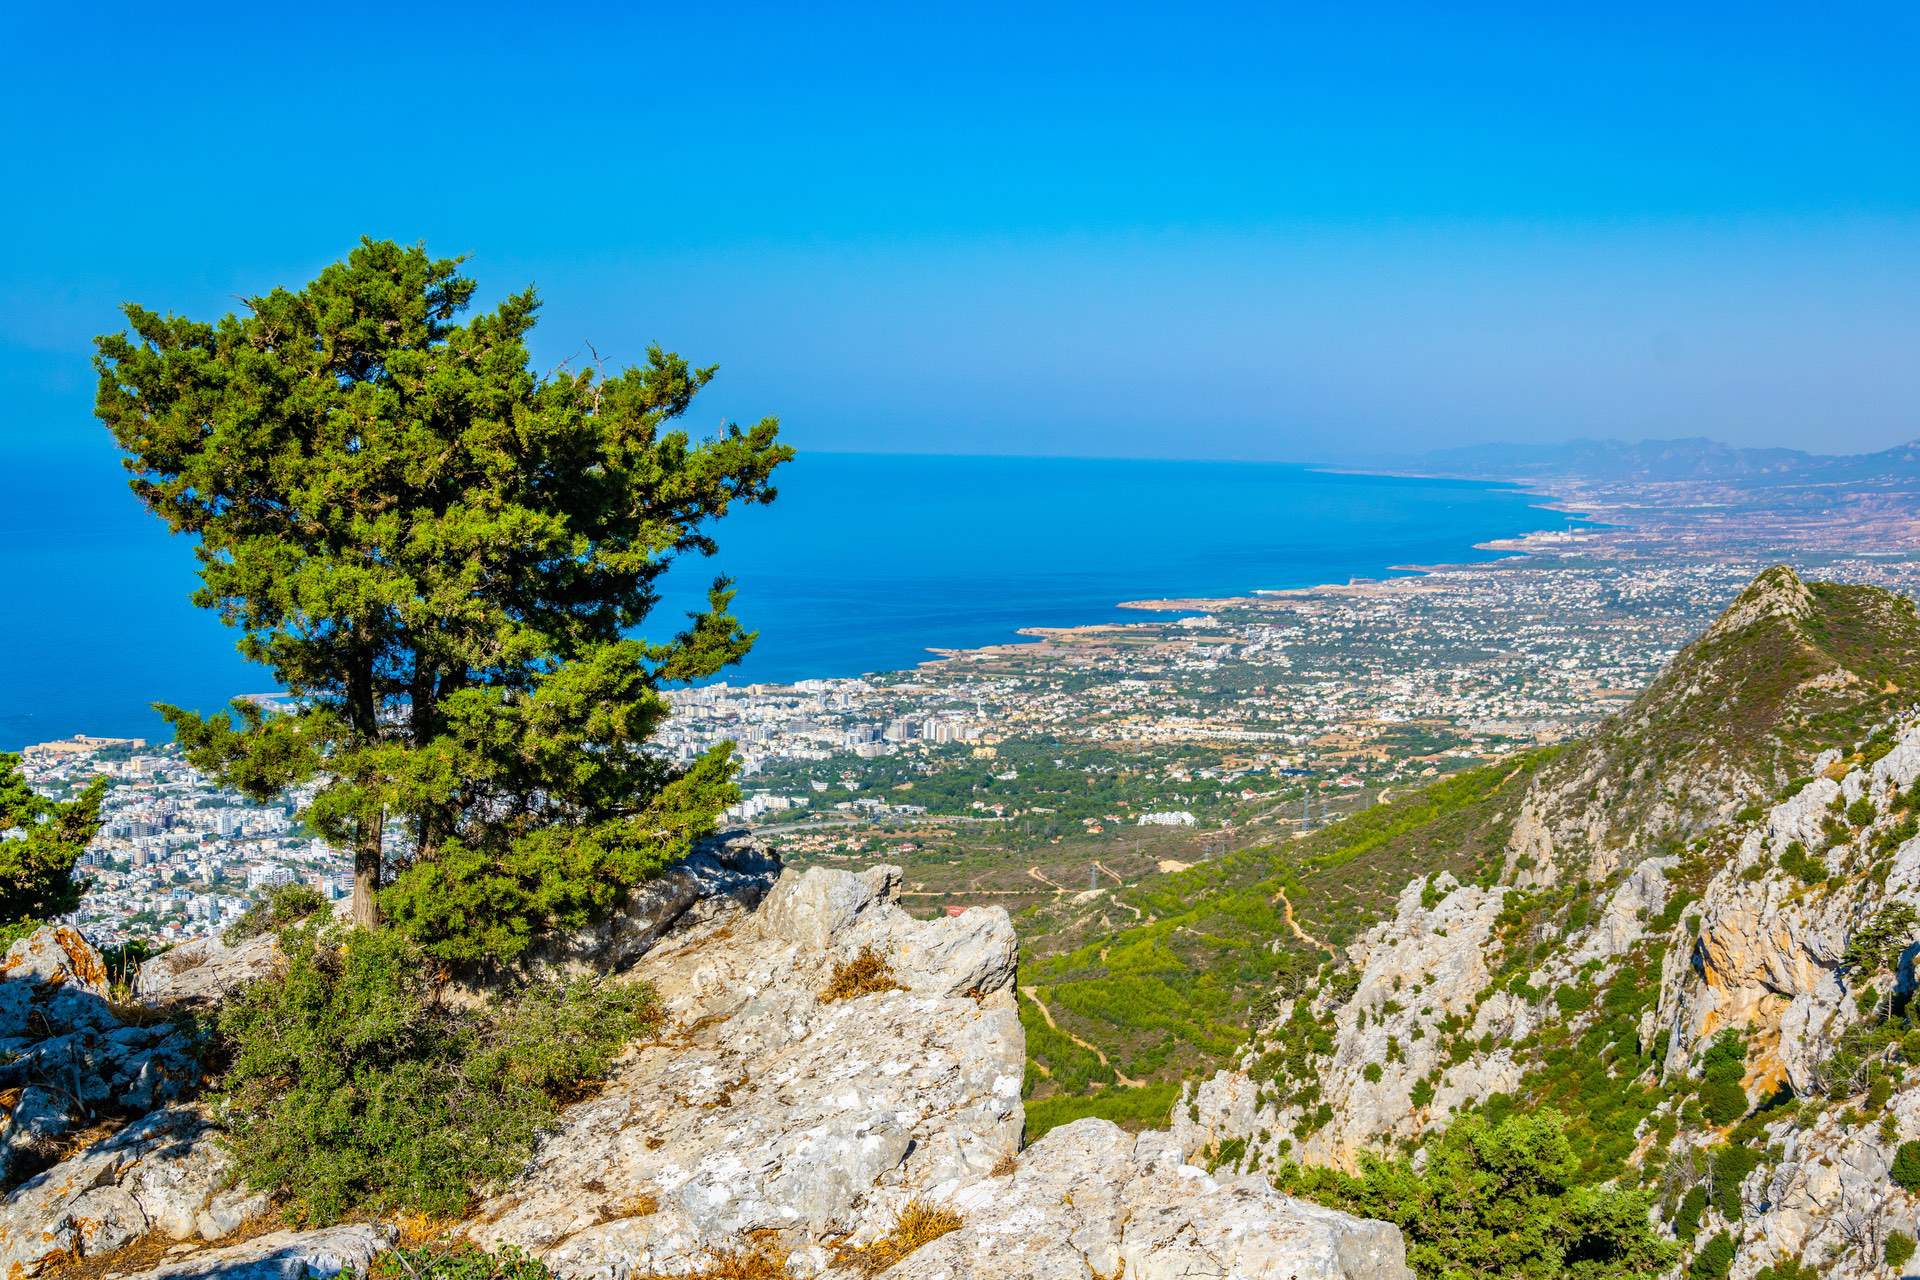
(863, 564)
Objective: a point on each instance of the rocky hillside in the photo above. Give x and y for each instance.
(1698, 947)
(834, 1088)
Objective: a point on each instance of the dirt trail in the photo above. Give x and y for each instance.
(1293, 926)
(1047, 1015)
(1045, 879)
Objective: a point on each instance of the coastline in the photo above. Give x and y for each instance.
(1538, 542)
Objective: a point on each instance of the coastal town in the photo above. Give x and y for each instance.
(1100, 751)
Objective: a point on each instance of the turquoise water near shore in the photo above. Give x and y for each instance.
(863, 564)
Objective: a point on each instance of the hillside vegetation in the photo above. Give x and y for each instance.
(1211, 953)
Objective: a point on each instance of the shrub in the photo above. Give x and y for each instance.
(1686, 1219)
(1805, 867)
(1906, 1166)
(1898, 1249)
(283, 905)
(1790, 1268)
(1860, 812)
(1498, 1200)
(1146, 1107)
(1372, 1072)
(351, 1086)
(1714, 1260)
(863, 975)
(1722, 1068)
(461, 1260)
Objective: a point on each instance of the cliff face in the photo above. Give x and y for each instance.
(1660, 935)
(762, 1114)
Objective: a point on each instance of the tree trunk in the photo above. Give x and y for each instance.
(366, 875)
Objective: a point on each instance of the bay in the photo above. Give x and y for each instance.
(864, 563)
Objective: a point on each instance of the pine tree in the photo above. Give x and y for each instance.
(443, 557)
(40, 841)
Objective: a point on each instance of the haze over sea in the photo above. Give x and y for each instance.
(864, 563)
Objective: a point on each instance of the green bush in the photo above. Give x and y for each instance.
(283, 905)
(1807, 868)
(1906, 1166)
(1721, 1070)
(352, 1087)
(457, 1261)
(1898, 1249)
(1714, 1260)
(1498, 1200)
(1686, 1219)
(1860, 812)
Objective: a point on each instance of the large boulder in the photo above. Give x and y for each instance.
(763, 1107)
(164, 1173)
(206, 971)
(284, 1255)
(1090, 1200)
(68, 1058)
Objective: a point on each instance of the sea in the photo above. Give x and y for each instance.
(865, 563)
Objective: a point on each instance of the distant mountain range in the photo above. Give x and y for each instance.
(1695, 458)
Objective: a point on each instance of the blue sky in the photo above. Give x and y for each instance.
(1324, 232)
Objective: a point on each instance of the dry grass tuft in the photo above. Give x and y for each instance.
(641, 1206)
(920, 1224)
(1004, 1167)
(763, 1261)
(863, 975)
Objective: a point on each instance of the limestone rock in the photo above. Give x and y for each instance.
(68, 1055)
(205, 971)
(284, 1255)
(159, 1173)
(764, 1108)
(728, 872)
(1089, 1199)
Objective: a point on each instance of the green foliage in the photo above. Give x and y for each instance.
(352, 1087)
(1722, 1068)
(1791, 1268)
(1714, 1260)
(1860, 813)
(40, 840)
(1686, 1218)
(459, 1260)
(1807, 868)
(1172, 995)
(1898, 1249)
(1498, 1201)
(284, 904)
(1876, 945)
(1732, 1162)
(442, 556)
(1142, 1108)
(1906, 1166)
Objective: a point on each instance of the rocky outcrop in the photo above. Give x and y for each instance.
(1420, 972)
(66, 1056)
(164, 1173)
(768, 1112)
(1091, 1200)
(767, 1108)
(284, 1255)
(726, 873)
(777, 1104)
(205, 971)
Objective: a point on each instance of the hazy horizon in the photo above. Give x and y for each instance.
(1094, 233)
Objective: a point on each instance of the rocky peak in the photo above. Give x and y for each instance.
(777, 1107)
(1776, 593)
